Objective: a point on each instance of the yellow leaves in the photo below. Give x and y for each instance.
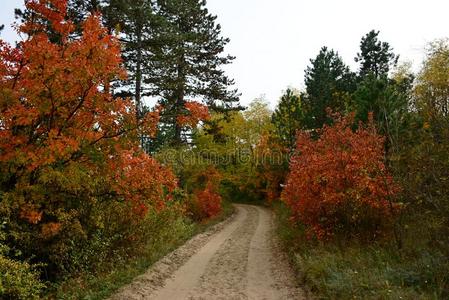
(432, 88)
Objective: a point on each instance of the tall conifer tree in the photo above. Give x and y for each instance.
(187, 60)
(287, 117)
(329, 83)
(375, 57)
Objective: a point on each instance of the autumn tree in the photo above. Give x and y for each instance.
(67, 145)
(234, 146)
(432, 89)
(338, 184)
(132, 19)
(271, 159)
(421, 162)
(257, 116)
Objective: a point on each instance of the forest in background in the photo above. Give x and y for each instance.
(355, 165)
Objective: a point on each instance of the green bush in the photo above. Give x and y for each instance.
(18, 280)
(123, 256)
(355, 270)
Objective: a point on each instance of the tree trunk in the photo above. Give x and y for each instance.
(179, 106)
(138, 73)
(179, 111)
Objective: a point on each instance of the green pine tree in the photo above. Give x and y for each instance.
(375, 57)
(329, 83)
(135, 20)
(288, 117)
(186, 62)
(377, 93)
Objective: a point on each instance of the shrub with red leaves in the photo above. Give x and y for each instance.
(338, 183)
(205, 202)
(209, 201)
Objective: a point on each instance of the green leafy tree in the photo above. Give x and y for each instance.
(329, 83)
(422, 163)
(288, 117)
(432, 89)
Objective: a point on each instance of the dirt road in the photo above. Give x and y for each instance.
(237, 259)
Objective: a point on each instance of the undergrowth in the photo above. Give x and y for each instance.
(355, 270)
(106, 277)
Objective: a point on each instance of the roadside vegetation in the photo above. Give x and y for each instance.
(84, 204)
(364, 212)
(96, 185)
(164, 233)
(353, 269)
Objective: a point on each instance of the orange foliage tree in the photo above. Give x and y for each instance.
(271, 166)
(206, 199)
(66, 144)
(338, 183)
(196, 112)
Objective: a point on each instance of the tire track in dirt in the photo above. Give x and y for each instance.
(226, 274)
(144, 286)
(237, 259)
(188, 276)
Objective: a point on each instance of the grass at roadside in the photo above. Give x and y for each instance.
(111, 275)
(351, 270)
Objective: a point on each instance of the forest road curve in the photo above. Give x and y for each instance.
(239, 258)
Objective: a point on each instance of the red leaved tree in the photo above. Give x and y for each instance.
(196, 112)
(209, 201)
(271, 166)
(338, 183)
(206, 201)
(66, 145)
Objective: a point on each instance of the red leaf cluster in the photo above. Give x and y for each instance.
(50, 229)
(208, 200)
(339, 182)
(30, 214)
(56, 110)
(271, 158)
(196, 112)
(137, 177)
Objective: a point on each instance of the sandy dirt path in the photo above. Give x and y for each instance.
(239, 258)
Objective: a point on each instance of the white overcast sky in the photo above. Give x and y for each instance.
(274, 40)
